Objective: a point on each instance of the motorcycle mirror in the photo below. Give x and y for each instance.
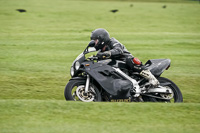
(91, 43)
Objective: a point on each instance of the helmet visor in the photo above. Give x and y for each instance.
(96, 42)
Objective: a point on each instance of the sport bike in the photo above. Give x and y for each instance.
(111, 80)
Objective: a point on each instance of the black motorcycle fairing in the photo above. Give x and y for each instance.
(157, 66)
(114, 63)
(116, 86)
(118, 64)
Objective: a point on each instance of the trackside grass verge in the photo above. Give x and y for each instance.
(22, 116)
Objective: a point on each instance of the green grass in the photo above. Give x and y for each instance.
(38, 47)
(58, 116)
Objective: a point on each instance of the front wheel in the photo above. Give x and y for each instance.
(75, 91)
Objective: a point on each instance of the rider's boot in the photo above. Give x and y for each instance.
(150, 77)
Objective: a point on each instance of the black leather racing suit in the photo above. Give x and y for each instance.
(119, 52)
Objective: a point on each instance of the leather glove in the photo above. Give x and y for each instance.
(104, 55)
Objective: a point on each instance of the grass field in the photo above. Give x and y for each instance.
(22, 116)
(37, 49)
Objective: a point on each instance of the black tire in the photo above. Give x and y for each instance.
(71, 86)
(177, 93)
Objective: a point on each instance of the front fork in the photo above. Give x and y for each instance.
(87, 83)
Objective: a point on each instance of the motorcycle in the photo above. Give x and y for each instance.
(111, 80)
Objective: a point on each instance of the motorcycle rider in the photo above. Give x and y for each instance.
(112, 48)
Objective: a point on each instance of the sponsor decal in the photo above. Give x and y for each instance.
(121, 100)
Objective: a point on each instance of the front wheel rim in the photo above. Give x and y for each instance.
(80, 95)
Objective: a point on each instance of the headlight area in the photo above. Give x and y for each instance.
(74, 68)
(77, 65)
(72, 71)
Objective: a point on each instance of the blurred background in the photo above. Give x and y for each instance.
(39, 39)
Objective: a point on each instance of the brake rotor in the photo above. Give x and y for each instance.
(85, 97)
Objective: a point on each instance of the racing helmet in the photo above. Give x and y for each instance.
(101, 38)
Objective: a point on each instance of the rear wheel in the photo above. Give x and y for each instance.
(75, 91)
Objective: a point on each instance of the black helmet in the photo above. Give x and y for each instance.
(102, 36)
